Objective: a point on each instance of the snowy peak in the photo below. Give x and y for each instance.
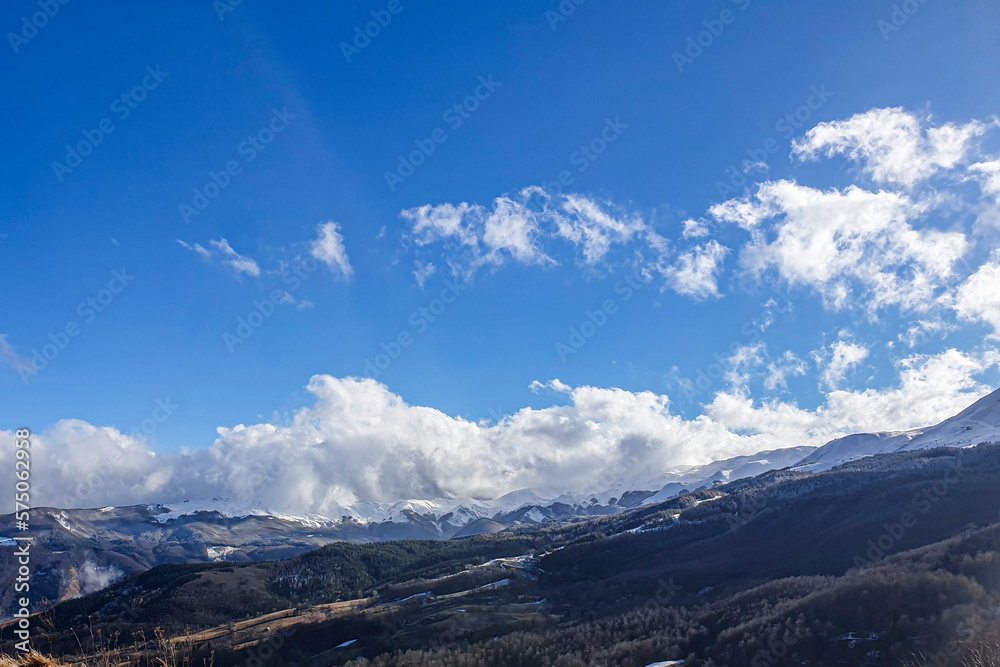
(980, 422)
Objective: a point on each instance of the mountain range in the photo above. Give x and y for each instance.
(84, 550)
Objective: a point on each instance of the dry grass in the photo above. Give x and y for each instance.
(984, 656)
(32, 659)
(981, 655)
(164, 655)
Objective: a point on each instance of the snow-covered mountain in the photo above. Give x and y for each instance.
(517, 507)
(980, 422)
(446, 517)
(84, 549)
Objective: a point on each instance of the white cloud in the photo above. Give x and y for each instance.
(694, 229)
(921, 330)
(9, 356)
(555, 385)
(779, 370)
(742, 363)
(840, 358)
(520, 228)
(592, 228)
(851, 246)
(751, 361)
(528, 228)
(930, 388)
(360, 442)
(988, 175)
(694, 273)
(329, 249)
(435, 223)
(978, 298)
(892, 145)
(231, 258)
(198, 248)
(423, 272)
(513, 228)
(87, 466)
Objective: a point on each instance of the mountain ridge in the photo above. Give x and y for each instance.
(84, 549)
(980, 422)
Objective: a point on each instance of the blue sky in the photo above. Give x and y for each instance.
(199, 82)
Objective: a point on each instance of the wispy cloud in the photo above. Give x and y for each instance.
(9, 356)
(229, 257)
(533, 226)
(329, 249)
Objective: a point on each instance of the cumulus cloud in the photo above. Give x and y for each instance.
(851, 246)
(930, 388)
(87, 466)
(443, 221)
(234, 260)
(988, 175)
(692, 229)
(329, 249)
(360, 442)
(594, 229)
(978, 298)
(893, 146)
(695, 272)
(838, 359)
